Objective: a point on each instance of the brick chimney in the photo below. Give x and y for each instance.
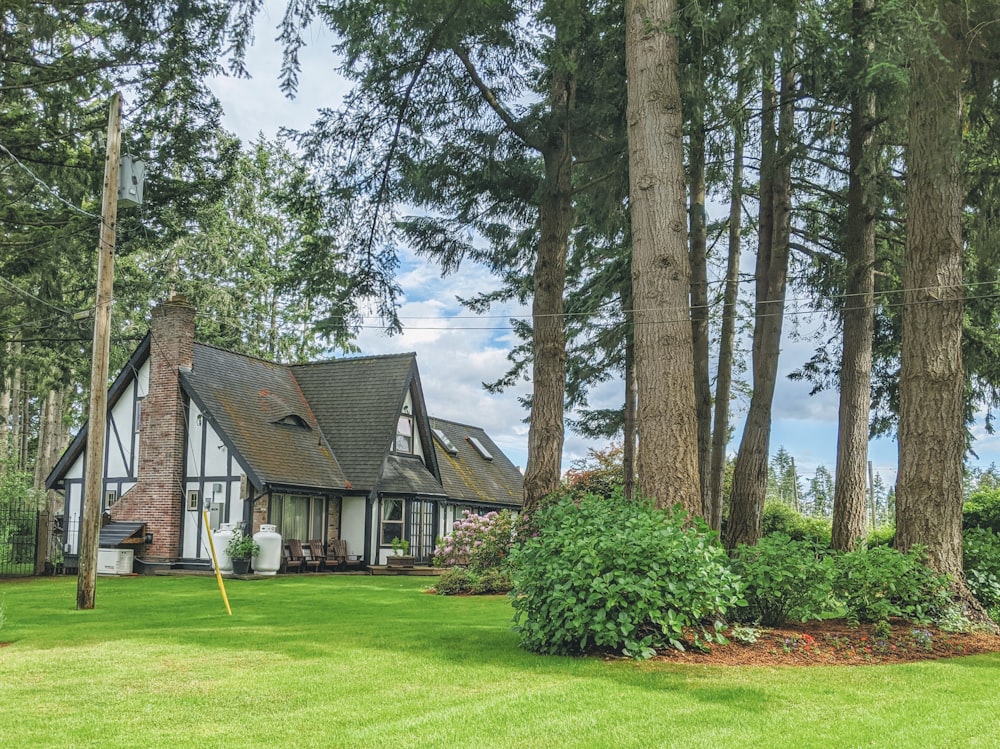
(158, 498)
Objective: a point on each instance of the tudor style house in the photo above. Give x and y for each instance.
(340, 449)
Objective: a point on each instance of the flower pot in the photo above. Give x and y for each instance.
(401, 560)
(241, 566)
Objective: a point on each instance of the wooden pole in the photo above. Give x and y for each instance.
(97, 416)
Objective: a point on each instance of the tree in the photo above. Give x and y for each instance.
(849, 502)
(821, 492)
(931, 403)
(667, 424)
(477, 119)
(773, 238)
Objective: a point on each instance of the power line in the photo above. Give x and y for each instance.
(14, 287)
(48, 188)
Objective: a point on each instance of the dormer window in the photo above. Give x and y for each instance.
(293, 420)
(404, 434)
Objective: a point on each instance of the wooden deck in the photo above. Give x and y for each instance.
(416, 570)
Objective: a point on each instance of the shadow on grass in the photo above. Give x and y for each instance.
(389, 620)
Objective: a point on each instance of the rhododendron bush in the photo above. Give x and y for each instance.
(479, 542)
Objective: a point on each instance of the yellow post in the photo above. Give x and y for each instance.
(215, 563)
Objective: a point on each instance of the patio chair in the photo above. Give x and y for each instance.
(347, 561)
(290, 562)
(314, 550)
(308, 563)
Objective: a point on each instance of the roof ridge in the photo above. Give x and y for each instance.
(252, 357)
(458, 423)
(364, 357)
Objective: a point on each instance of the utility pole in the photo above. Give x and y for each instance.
(93, 484)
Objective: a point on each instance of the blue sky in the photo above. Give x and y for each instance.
(457, 351)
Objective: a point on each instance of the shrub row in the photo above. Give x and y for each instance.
(605, 574)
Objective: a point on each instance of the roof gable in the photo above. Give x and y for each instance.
(79, 443)
(357, 403)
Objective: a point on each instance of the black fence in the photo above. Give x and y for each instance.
(20, 532)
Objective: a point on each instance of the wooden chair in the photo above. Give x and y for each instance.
(314, 550)
(347, 561)
(308, 563)
(290, 562)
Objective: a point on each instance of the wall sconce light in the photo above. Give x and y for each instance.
(149, 538)
(199, 419)
(406, 409)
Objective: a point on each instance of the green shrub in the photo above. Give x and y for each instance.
(455, 581)
(783, 579)
(460, 580)
(602, 573)
(874, 584)
(493, 581)
(982, 510)
(882, 536)
(981, 548)
(781, 518)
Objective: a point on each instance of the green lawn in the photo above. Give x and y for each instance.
(352, 661)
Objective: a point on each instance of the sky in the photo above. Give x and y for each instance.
(458, 351)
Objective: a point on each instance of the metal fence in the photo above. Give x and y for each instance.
(21, 530)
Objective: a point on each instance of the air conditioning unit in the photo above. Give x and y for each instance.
(114, 561)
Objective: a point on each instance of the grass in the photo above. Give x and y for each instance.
(352, 661)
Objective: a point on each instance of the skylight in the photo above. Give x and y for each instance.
(445, 442)
(483, 452)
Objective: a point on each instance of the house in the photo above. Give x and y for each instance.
(333, 449)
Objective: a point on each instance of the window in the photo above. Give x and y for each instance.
(298, 516)
(138, 414)
(446, 443)
(404, 434)
(193, 497)
(480, 448)
(293, 420)
(392, 520)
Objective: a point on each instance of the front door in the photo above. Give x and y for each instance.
(422, 530)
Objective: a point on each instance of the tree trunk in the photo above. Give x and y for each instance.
(667, 423)
(15, 409)
(931, 382)
(850, 493)
(699, 304)
(545, 434)
(750, 472)
(628, 445)
(724, 375)
(6, 396)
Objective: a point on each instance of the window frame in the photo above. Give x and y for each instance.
(396, 527)
(407, 419)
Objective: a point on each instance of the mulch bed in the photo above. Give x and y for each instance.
(835, 643)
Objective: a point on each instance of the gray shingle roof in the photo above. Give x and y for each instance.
(467, 476)
(245, 397)
(406, 474)
(357, 402)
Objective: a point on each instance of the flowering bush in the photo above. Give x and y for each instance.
(479, 542)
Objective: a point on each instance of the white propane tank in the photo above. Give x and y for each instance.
(221, 538)
(268, 559)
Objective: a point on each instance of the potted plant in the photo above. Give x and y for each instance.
(240, 549)
(400, 553)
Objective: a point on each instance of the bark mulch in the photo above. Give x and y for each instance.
(835, 643)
